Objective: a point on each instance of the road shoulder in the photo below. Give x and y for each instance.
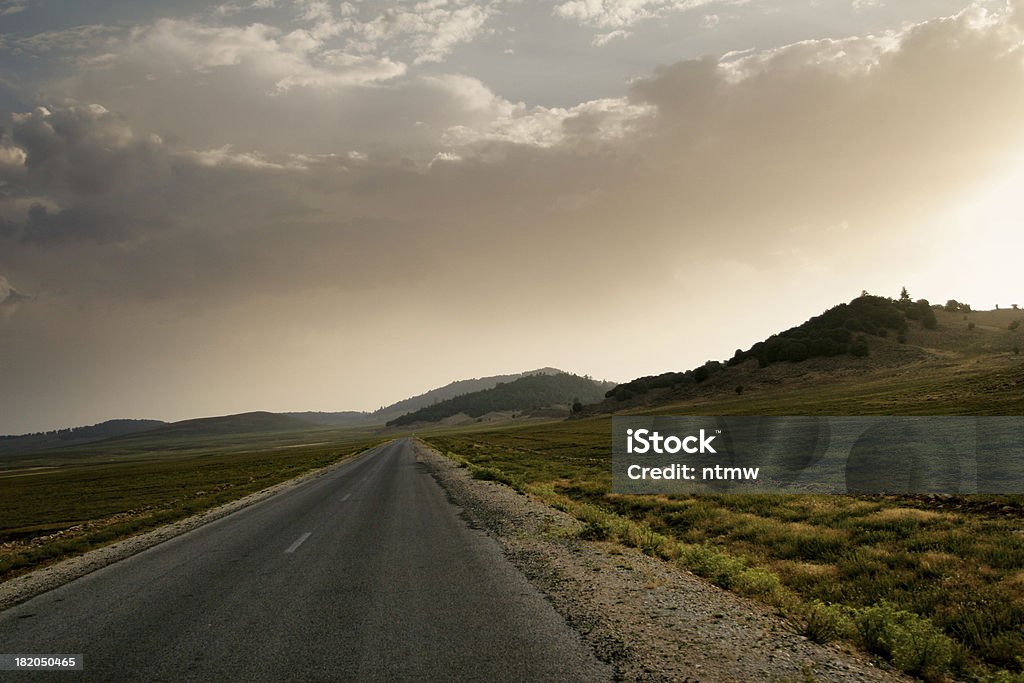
(647, 618)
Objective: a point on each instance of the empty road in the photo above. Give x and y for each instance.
(364, 573)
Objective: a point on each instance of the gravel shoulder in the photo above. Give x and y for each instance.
(647, 618)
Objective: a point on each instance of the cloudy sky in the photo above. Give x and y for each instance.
(304, 204)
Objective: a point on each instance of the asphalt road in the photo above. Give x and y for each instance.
(365, 573)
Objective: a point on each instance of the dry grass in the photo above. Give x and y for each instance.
(944, 574)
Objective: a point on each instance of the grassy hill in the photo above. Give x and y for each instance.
(344, 418)
(454, 389)
(243, 423)
(73, 436)
(526, 393)
(413, 403)
(873, 355)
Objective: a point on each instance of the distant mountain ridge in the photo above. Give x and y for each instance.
(122, 431)
(74, 436)
(343, 418)
(457, 388)
(257, 421)
(526, 393)
(413, 403)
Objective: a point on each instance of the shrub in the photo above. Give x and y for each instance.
(859, 347)
(927, 315)
(1014, 325)
(970, 326)
(821, 623)
(492, 474)
(722, 570)
(913, 643)
(760, 583)
(595, 530)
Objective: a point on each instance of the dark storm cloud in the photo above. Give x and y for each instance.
(79, 173)
(85, 150)
(103, 225)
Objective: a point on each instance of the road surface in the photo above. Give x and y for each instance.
(365, 573)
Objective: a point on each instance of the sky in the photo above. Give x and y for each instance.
(317, 205)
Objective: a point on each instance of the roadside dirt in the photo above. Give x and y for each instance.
(650, 620)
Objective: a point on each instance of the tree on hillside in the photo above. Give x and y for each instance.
(952, 306)
(922, 311)
(904, 296)
(860, 347)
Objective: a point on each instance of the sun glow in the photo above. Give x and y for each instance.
(984, 244)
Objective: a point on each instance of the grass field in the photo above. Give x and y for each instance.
(63, 503)
(934, 584)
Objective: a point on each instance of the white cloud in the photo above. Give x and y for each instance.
(623, 13)
(502, 121)
(429, 30)
(296, 59)
(863, 5)
(12, 158)
(602, 39)
(77, 38)
(224, 156)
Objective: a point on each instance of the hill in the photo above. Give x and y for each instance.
(454, 389)
(890, 353)
(242, 423)
(344, 418)
(73, 436)
(526, 393)
(413, 403)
